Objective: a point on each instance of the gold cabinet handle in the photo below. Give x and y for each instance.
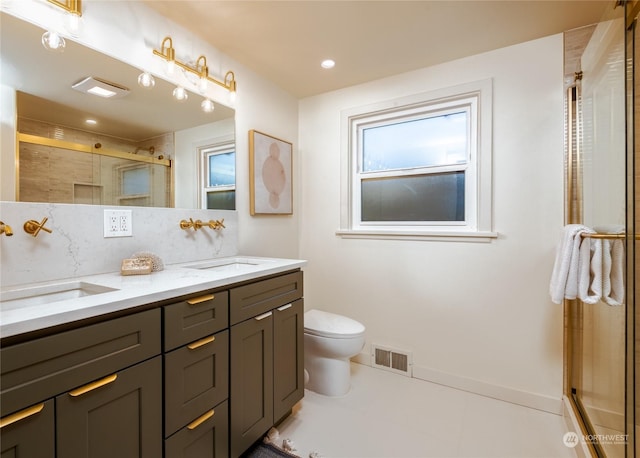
(284, 307)
(198, 300)
(263, 316)
(94, 385)
(201, 342)
(198, 421)
(10, 419)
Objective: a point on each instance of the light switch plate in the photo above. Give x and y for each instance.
(118, 223)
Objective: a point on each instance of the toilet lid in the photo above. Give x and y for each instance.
(327, 324)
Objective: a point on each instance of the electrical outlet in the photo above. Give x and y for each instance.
(117, 223)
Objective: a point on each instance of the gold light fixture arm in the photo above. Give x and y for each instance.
(168, 53)
(70, 6)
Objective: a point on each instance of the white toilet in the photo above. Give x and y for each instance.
(330, 340)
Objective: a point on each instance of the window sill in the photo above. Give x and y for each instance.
(440, 236)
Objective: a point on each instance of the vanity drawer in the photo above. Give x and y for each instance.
(195, 318)
(196, 376)
(256, 298)
(42, 368)
(206, 436)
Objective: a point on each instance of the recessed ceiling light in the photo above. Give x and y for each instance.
(328, 63)
(93, 122)
(100, 87)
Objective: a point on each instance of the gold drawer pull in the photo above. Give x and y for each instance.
(92, 386)
(198, 421)
(201, 342)
(263, 316)
(10, 419)
(284, 307)
(198, 300)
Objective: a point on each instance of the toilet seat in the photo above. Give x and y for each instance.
(326, 324)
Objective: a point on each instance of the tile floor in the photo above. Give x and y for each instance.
(386, 415)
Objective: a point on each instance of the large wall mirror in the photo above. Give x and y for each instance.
(143, 148)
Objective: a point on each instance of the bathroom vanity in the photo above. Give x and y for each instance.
(194, 362)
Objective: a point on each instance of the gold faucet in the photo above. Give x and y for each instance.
(33, 227)
(184, 224)
(217, 225)
(198, 224)
(5, 229)
(213, 224)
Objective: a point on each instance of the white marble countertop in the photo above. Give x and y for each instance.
(130, 291)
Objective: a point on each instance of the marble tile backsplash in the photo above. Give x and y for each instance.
(77, 246)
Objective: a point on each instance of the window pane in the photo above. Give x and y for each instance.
(221, 200)
(434, 197)
(439, 140)
(222, 169)
(135, 181)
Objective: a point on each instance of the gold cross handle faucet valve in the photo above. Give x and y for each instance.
(184, 224)
(33, 227)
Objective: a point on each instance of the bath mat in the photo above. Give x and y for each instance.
(262, 450)
(269, 448)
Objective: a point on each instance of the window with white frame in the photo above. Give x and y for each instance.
(419, 166)
(218, 165)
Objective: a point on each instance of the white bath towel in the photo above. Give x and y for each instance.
(590, 270)
(613, 276)
(612, 265)
(565, 275)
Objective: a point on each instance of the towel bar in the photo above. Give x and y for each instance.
(606, 236)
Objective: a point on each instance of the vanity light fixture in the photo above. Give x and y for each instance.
(168, 53)
(180, 94)
(207, 106)
(51, 39)
(146, 80)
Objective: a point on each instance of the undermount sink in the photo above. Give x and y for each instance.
(229, 264)
(45, 294)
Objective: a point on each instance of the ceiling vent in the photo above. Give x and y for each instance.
(101, 88)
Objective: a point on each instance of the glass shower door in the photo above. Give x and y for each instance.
(598, 362)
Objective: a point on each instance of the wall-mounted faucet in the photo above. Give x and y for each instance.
(197, 224)
(5, 229)
(33, 227)
(184, 224)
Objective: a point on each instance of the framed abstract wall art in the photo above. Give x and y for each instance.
(270, 168)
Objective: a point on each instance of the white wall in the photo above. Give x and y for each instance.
(475, 315)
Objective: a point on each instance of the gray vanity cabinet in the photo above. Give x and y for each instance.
(266, 356)
(196, 376)
(100, 387)
(288, 358)
(36, 421)
(114, 416)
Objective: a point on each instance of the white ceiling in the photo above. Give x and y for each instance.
(285, 41)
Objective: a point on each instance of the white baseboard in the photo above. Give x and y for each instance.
(524, 398)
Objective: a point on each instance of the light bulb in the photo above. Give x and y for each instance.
(207, 106)
(328, 63)
(180, 94)
(74, 24)
(203, 84)
(171, 67)
(146, 80)
(52, 41)
(232, 97)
